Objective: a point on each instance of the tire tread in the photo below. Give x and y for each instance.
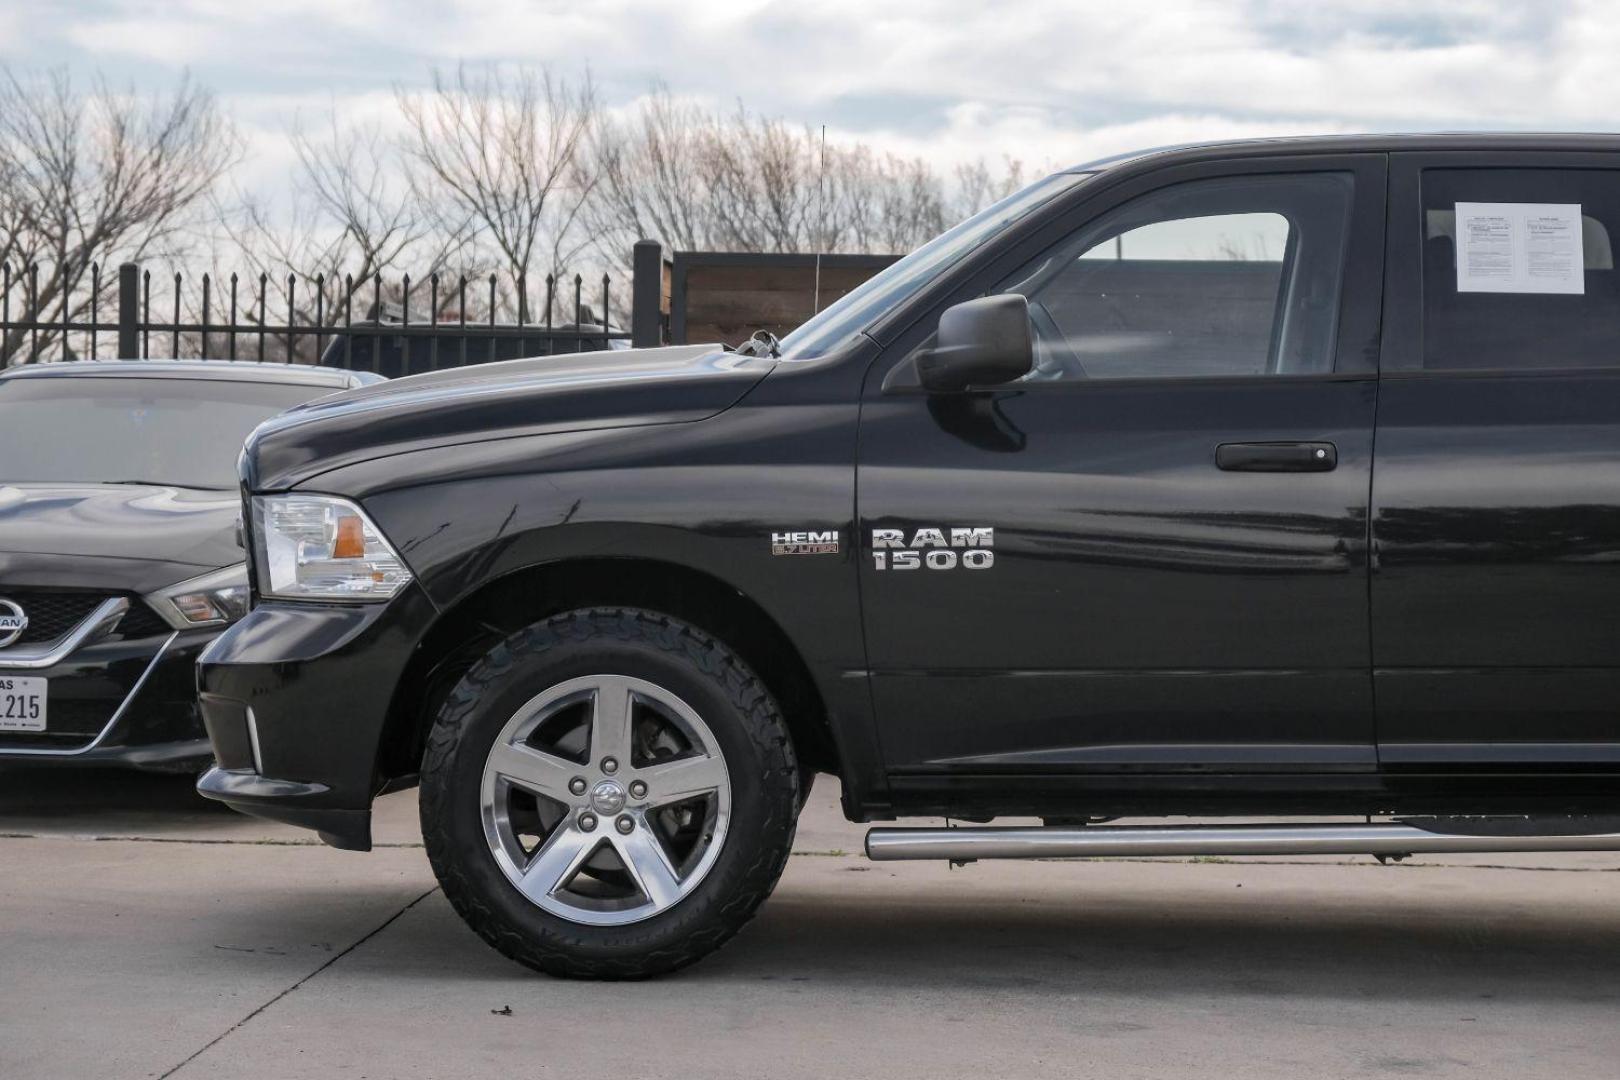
(765, 728)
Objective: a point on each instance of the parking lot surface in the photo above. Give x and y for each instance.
(144, 933)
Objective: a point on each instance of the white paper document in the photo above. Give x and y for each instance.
(1520, 248)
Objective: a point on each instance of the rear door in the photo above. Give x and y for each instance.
(1496, 487)
(1067, 573)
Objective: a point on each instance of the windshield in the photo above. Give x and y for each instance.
(860, 306)
(184, 432)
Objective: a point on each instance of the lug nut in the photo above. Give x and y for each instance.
(610, 765)
(587, 822)
(577, 785)
(638, 789)
(626, 823)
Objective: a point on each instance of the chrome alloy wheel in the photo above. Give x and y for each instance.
(605, 800)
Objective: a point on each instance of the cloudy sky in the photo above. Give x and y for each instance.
(1041, 81)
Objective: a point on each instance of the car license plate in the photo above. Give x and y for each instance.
(22, 703)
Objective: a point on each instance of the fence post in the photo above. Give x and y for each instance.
(128, 311)
(646, 295)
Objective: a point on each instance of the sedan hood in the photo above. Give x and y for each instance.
(573, 392)
(133, 522)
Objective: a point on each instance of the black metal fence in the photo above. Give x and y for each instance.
(394, 327)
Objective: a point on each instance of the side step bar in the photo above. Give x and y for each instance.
(1395, 838)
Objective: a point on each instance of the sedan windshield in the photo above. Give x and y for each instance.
(124, 429)
(862, 305)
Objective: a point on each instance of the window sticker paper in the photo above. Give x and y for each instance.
(1520, 248)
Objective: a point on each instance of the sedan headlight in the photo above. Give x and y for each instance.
(214, 599)
(319, 547)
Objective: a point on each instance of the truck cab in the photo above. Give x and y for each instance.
(1274, 479)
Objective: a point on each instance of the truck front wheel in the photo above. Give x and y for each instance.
(609, 793)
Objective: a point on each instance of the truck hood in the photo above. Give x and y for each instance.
(573, 392)
(135, 523)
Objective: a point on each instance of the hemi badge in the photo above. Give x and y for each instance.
(805, 543)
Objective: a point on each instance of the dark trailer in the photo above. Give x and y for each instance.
(388, 343)
(394, 349)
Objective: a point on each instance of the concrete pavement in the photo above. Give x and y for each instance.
(147, 934)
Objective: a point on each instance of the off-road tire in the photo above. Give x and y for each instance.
(732, 700)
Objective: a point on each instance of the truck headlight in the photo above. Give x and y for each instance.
(320, 547)
(214, 599)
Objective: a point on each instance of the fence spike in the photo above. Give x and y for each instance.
(292, 338)
(264, 309)
(461, 290)
(67, 314)
(320, 313)
(348, 323)
(33, 310)
(433, 320)
(202, 347)
(95, 307)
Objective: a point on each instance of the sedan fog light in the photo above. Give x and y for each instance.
(214, 599)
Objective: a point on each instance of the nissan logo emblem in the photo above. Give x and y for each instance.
(12, 622)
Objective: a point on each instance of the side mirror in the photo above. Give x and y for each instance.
(983, 342)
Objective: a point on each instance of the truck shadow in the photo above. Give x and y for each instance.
(77, 799)
(1460, 944)
(1421, 947)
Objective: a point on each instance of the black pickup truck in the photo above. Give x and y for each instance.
(1270, 479)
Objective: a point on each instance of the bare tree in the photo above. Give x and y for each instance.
(694, 179)
(764, 182)
(96, 177)
(977, 187)
(886, 205)
(499, 156)
(651, 175)
(353, 176)
(318, 257)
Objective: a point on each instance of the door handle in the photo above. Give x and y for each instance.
(1277, 457)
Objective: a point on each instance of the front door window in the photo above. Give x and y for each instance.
(1230, 277)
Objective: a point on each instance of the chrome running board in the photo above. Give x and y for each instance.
(1385, 839)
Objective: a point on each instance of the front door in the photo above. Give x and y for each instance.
(1496, 494)
(1150, 554)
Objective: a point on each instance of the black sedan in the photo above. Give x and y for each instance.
(119, 547)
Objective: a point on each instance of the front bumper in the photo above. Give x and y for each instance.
(128, 702)
(295, 698)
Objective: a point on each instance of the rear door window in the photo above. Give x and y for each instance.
(1518, 269)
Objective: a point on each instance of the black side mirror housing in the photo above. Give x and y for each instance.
(983, 342)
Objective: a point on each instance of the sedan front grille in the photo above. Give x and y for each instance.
(52, 613)
(141, 621)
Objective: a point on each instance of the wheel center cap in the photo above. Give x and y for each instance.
(607, 797)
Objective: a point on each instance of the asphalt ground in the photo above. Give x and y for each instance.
(146, 933)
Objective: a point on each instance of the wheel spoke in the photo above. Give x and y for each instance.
(683, 779)
(610, 721)
(628, 808)
(558, 859)
(531, 769)
(643, 855)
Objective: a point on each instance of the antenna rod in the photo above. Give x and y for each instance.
(821, 220)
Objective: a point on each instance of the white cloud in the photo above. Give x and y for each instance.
(1045, 81)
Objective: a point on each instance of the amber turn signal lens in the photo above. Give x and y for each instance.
(350, 542)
